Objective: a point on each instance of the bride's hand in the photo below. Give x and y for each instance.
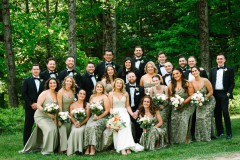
(95, 117)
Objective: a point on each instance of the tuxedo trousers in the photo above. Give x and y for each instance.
(221, 109)
(28, 124)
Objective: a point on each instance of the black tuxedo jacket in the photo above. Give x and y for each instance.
(159, 70)
(138, 95)
(203, 74)
(45, 75)
(100, 69)
(164, 79)
(29, 91)
(143, 62)
(228, 79)
(120, 75)
(87, 85)
(76, 76)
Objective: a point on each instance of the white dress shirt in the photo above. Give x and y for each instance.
(219, 80)
(168, 80)
(190, 77)
(132, 92)
(162, 69)
(52, 75)
(71, 73)
(37, 82)
(137, 63)
(93, 79)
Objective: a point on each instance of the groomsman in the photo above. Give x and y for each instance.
(162, 60)
(193, 62)
(69, 71)
(100, 67)
(89, 80)
(168, 76)
(222, 79)
(139, 61)
(136, 93)
(31, 88)
(183, 63)
(50, 72)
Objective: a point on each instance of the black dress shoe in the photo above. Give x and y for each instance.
(221, 135)
(229, 136)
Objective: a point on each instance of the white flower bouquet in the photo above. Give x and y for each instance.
(198, 99)
(64, 117)
(115, 123)
(146, 122)
(79, 114)
(51, 108)
(160, 99)
(176, 101)
(96, 108)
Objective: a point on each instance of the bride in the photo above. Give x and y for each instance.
(119, 99)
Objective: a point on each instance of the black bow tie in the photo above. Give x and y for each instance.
(127, 72)
(220, 67)
(161, 65)
(132, 86)
(139, 59)
(70, 71)
(91, 75)
(167, 74)
(36, 78)
(110, 63)
(53, 72)
(185, 69)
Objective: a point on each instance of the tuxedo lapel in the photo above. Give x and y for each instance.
(224, 75)
(90, 79)
(33, 84)
(214, 75)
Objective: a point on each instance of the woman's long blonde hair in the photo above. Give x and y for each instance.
(101, 83)
(123, 89)
(154, 66)
(74, 85)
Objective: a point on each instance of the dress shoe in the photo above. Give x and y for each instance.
(221, 135)
(229, 136)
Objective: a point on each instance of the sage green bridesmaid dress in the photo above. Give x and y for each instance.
(152, 136)
(44, 137)
(65, 129)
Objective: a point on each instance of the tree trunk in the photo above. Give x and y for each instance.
(27, 7)
(48, 25)
(235, 59)
(11, 71)
(109, 30)
(72, 38)
(204, 34)
(56, 9)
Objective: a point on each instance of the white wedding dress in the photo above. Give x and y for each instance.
(123, 139)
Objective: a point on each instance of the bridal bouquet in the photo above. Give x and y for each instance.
(176, 101)
(198, 99)
(114, 122)
(64, 117)
(160, 99)
(146, 122)
(51, 108)
(79, 114)
(96, 108)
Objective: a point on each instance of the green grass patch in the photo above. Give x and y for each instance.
(11, 144)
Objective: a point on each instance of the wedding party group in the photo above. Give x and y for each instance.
(140, 106)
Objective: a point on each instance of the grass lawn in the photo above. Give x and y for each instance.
(10, 144)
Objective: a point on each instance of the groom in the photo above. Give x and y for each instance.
(136, 94)
(31, 89)
(222, 79)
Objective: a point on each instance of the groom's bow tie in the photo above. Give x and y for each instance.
(220, 67)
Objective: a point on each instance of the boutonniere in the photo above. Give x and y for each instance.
(113, 66)
(142, 61)
(225, 69)
(96, 76)
(75, 74)
(41, 80)
(137, 89)
(56, 74)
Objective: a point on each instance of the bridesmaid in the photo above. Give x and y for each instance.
(109, 76)
(204, 114)
(181, 118)
(146, 80)
(154, 137)
(45, 135)
(75, 140)
(65, 98)
(128, 67)
(95, 125)
(165, 110)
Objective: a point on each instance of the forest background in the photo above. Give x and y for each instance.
(39, 29)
